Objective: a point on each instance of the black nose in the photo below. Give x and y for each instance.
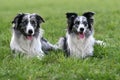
(82, 29)
(30, 31)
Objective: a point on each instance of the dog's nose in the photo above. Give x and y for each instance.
(82, 29)
(30, 31)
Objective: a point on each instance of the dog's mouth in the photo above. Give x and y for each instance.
(29, 37)
(81, 35)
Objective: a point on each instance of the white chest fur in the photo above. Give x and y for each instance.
(80, 47)
(29, 47)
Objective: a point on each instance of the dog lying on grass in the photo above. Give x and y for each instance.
(27, 35)
(79, 41)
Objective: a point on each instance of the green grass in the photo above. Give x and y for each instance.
(104, 65)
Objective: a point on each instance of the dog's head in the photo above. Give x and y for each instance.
(27, 24)
(80, 25)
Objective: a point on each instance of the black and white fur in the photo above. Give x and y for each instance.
(27, 35)
(79, 40)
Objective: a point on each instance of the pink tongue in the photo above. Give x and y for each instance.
(29, 37)
(81, 36)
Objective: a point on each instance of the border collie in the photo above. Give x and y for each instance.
(79, 40)
(27, 35)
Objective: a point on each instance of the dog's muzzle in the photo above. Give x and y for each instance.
(81, 34)
(30, 34)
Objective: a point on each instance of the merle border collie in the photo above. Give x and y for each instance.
(79, 40)
(27, 35)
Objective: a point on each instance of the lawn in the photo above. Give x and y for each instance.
(104, 65)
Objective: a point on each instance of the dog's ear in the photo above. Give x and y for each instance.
(70, 20)
(16, 21)
(39, 18)
(71, 15)
(17, 18)
(89, 16)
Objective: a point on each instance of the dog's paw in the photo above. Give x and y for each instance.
(55, 47)
(101, 43)
(40, 56)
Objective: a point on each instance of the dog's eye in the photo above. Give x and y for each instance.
(25, 22)
(32, 22)
(85, 23)
(77, 22)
